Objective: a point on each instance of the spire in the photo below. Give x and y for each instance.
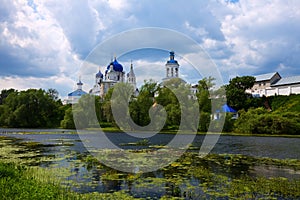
(131, 65)
(172, 55)
(79, 84)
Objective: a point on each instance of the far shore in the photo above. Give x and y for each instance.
(116, 130)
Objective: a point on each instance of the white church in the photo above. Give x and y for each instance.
(115, 73)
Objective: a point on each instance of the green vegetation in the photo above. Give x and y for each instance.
(276, 115)
(235, 92)
(214, 176)
(261, 121)
(30, 109)
(20, 182)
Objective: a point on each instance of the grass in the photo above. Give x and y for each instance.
(20, 182)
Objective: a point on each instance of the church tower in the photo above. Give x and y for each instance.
(131, 79)
(172, 67)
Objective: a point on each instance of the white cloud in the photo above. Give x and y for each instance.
(62, 83)
(50, 39)
(261, 34)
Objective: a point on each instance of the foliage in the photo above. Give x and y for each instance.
(260, 121)
(228, 123)
(215, 176)
(236, 91)
(182, 110)
(106, 107)
(4, 94)
(84, 112)
(19, 182)
(139, 106)
(68, 121)
(30, 109)
(204, 121)
(204, 90)
(285, 103)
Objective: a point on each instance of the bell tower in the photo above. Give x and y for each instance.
(172, 67)
(131, 77)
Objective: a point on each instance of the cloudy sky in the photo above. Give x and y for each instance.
(44, 43)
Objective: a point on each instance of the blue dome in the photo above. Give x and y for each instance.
(99, 75)
(116, 66)
(172, 61)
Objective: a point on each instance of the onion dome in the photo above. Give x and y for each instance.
(172, 60)
(116, 66)
(99, 75)
(79, 83)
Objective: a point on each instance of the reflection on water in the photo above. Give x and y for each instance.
(182, 178)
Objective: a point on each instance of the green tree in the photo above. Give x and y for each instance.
(106, 107)
(204, 96)
(182, 110)
(5, 93)
(236, 92)
(68, 121)
(85, 112)
(139, 107)
(53, 94)
(30, 109)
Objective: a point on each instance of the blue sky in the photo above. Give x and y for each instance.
(43, 43)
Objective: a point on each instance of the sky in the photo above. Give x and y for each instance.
(44, 43)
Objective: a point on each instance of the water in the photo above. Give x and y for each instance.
(70, 153)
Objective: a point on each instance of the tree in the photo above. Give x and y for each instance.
(4, 94)
(236, 91)
(106, 106)
(85, 112)
(204, 90)
(30, 109)
(68, 121)
(139, 107)
(204, 94)
(182, 110)
(53, 93)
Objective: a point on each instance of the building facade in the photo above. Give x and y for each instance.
(273, 84)
(74, 96)
(172, 67)
(114, 73)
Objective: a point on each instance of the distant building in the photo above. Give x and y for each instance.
(74, 96)
(131, 79)
(172, 67)
(114, 73)
(273, 84)
(286, 86)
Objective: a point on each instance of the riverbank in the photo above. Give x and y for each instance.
(22, 182)
(117, 130)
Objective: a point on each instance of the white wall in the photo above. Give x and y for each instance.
(280, 90)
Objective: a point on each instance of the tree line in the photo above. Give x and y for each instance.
(32, 108)
(37, 108)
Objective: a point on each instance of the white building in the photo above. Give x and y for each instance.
(273, 84)
(131, 79)
(74, 96)
(172, 67)
(114, 73)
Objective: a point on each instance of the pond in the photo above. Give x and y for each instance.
(233, 158)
